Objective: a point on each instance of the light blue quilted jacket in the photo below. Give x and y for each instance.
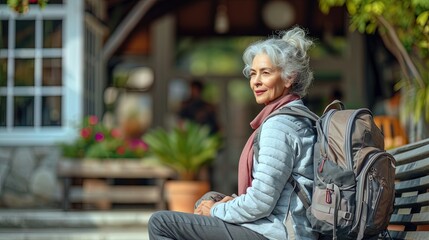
(286, 145)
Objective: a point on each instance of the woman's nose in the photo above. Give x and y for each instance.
(255, 80)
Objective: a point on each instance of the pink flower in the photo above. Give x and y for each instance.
(116, 133)
(85, 133)
(93, 120)
(99, 137)
(143, 145)
(120, 150)
(137, 144)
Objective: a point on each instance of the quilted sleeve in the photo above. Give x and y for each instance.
(278, 145)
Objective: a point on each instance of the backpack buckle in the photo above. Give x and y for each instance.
(347, 216)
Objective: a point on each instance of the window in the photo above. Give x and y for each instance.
(40, 73)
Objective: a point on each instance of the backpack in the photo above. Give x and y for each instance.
(353, 190)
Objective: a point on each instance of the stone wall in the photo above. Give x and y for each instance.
(28, 177)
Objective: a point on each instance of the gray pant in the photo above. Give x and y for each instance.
(165, 225)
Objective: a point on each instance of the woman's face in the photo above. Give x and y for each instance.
(266, 81)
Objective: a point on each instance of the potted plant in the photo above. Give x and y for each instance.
(187, 148)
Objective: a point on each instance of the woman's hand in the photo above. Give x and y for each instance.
(226, 199)
(204, 207)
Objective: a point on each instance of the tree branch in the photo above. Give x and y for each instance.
(390, 46)
(397, 43)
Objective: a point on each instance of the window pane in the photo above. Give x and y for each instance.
(24, 111)
(52, 72)
(52, 33)
(24, 72)
(2, 111)
(3, 72)
(25, 34)
(51, 111)
(3, 33)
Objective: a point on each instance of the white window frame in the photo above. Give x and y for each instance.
(71, 12)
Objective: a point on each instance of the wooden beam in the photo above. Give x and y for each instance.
(117, 194)
(126, 26)
(114, 168)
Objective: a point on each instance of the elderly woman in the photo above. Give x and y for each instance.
(267, 207)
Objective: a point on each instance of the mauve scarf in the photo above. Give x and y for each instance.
(245, 164)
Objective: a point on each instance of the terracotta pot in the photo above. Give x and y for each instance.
(182, 195)
(132, 128)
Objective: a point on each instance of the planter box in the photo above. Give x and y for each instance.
(96, 177)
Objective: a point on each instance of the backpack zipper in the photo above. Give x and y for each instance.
(361, 184)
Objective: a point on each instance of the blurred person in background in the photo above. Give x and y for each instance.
(196, 109)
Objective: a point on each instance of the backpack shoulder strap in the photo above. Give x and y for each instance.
(298, 190)
(300, 111)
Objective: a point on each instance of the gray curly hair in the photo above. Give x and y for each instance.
(287, 51)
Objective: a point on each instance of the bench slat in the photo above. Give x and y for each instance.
(409, 147)
(412, 155)
(416, 218)
(418, 200)
(112, 169)
(117, 194)
(417, 184)
(418, 235)
(413, 170)
(411, 216)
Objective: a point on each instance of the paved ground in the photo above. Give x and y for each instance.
(74, 225)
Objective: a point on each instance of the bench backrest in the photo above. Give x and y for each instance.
(410, 219)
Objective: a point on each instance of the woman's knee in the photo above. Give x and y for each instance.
(157, 225)
(156, 219)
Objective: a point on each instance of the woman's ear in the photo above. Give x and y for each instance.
(289, 80)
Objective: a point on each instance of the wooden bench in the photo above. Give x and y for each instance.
(410, 219)
(394, 133)
(96, 179)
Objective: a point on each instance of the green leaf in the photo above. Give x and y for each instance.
(426, 104)
(421, 3)
(185, 148)
(422, 18)
(351, 8)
